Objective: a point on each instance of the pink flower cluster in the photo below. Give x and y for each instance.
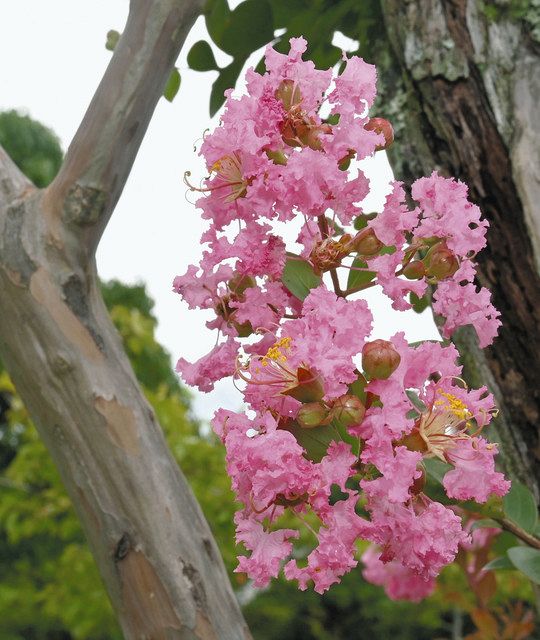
(340, 425)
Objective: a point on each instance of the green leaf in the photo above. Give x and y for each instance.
(112, 39)
(315, 441)
(172, 86)
(226, 80)
(520, 506)
(359, 278)
(358, 388)
(527, 560)
(217, 16)
(436, 468)
(486, 522)
(299, 277)
(502, 562)
(250, 26)
(201, 57)
(418, 304)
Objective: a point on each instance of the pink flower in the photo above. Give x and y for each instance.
(218, 364)
(399, 582)
(394, 286)
(272, 161)
(424, 541)
(334, 555)
(395, 218)
(262, 308)
(268, 549)
(446, 213)
(462, 305)
(201, 291)
(474, 476)
(356, 87)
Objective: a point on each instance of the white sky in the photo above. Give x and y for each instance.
(52, 57)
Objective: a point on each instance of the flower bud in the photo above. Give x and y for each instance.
(441, 262)
(289, 94)
(380, 359)
(312, 414)
(415, 270)
(366, 243)
(308, 388)
(380, 125)
(348, 410)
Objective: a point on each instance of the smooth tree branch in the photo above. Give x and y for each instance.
(154, 550)
(100, 157)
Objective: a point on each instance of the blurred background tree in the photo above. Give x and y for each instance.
(49, 586)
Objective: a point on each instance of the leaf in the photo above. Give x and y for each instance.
(520, 506)
(226, 80)
(250, 26)
(358, 388)
(436, 468)
(486, 522)
(418, 304)
(217, 16)
(358, 278)
(502, 562)
(112, 39)
(201, 57)
(299, 277)
(527, 560)
(172, 86)
(486, 623)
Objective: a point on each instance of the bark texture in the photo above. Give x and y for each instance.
(462, 85)
(154, 549)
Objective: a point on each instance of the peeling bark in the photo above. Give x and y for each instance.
(465, 92)
(153, 547)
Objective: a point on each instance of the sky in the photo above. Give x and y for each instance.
(53, 57)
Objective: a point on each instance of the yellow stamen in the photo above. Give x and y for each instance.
(454, 405)
(275, 352)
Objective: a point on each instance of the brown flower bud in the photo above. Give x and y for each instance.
(441, 263)
(380, 359)
(348, 410)
(380, 125)
(415, 270)
(366, 243)
(312, 414)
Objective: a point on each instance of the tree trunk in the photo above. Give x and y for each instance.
(461, 84)
(154, 549)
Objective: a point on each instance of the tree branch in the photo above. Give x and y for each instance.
(152, 545)
(100, 157)
(13, 183)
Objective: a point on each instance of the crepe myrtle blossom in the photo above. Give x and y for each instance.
(340, 425)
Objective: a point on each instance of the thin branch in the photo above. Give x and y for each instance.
(101, 155)
(520, 533)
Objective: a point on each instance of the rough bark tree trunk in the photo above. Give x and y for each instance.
(462, 85)
(154, 549)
